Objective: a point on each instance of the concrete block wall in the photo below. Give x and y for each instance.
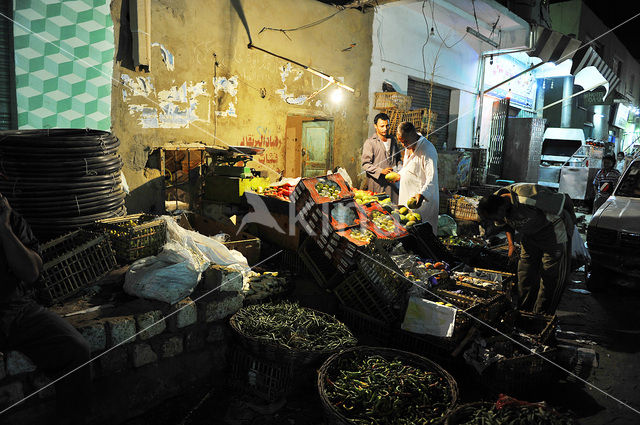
(140, 359)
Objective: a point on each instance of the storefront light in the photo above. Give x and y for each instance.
(336, 95)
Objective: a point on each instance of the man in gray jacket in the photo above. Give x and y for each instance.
(380, 154)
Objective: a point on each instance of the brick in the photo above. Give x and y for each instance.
(171, 347)
(216, 333)
(150, 324)
(114, 360)
(212, 310)
(187, 314)
(18, 363)
(121, 330)
(40, 381)
(222, 278)
(194, 340)
(96, 336)
(143, 354)
(11, 393)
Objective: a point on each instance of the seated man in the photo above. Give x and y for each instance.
(50, 342)
(545, 219)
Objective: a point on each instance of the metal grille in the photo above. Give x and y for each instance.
(440, 99)
(7, 71)
(499, 119)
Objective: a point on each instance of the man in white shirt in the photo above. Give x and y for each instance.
(380, 154)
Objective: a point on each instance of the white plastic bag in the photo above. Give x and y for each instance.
(579, 252)
(175, 271)
(427, 317)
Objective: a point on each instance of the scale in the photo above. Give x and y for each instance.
(229, 175)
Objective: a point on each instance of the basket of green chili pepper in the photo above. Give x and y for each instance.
(384, 386)
(286, 332)
(490, 414)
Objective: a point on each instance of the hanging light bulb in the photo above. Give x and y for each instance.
(491, 60)
(432, 33)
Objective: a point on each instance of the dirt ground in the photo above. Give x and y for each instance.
(607, 322)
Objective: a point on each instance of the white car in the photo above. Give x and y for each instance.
(613, 235)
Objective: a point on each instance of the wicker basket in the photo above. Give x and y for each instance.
(272, 351)
(265, 379)
(461, 209)
(391, 100)
(423, 120)
(145, 237)
(463, 413)
(72, 262)
(328, 369)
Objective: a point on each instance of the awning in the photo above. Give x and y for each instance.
(587, 56)
(552, 46)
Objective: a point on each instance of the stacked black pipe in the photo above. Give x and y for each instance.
(61, 179)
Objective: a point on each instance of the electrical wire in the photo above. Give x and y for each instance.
(435, 24)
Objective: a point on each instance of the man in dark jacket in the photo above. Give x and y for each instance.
(53, 345)
(545, 219)
(380, 154)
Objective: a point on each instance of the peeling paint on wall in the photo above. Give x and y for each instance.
(167, 57)
(226, 85)
(230, 112)
(289, 98)
(138, 86)
(172, 108)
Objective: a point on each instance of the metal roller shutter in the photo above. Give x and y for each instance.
(419, 92)
(7, 70)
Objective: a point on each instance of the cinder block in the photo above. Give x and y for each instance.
(11, 393)
(143, 354)
(40, 381)
(212, 310)
(194, 340)
(121, 330)
(96, 336)
(171, 346)
(216, 332)
(114, 360)
(150, 324)
(18, 363)
(187, 314)
(222, 278)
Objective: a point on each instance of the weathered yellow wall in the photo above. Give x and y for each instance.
(193, 31)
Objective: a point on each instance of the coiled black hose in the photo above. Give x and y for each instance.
(61, 179)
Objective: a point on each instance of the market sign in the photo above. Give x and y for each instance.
(521, 91)
(594, 97)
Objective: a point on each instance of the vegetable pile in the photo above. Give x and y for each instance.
(521, 415)
(370, 389)
(291, 326)
(328, 189)
(258, 286)
(383, 221)
(362, 235)
(282, 192)
(460, 241)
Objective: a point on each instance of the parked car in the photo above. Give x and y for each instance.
(613, 235)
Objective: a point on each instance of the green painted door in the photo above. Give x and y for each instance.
(317, 142)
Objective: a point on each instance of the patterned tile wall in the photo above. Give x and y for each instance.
(64, 63)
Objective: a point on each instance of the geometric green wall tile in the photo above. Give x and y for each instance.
(64, 63)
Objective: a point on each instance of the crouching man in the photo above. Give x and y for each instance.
(53, 345)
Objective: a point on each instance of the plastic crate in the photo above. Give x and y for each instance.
(539, 328)
(306, 196)
(386, 278)
(318, 265)
(374, 207)
(72, 262)
(262, 378)
(135, 236)
(321, 221)
(391, 100)
(493, 303)
(369, 330)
